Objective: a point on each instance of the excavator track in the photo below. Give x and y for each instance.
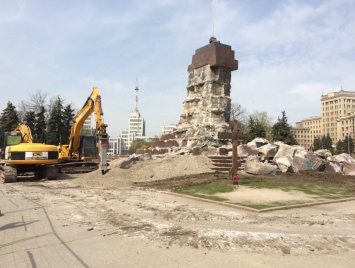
(8, 174)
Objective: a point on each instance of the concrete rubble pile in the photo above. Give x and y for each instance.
(268, 158)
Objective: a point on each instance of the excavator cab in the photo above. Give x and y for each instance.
(10, 138)
(87, 147)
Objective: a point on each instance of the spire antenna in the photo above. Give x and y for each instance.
(212, 18)
(136, 89)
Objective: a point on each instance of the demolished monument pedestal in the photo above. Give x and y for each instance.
(206, 109)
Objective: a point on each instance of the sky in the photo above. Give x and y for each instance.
(290, 52)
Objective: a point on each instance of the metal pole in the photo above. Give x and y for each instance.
(235, 153)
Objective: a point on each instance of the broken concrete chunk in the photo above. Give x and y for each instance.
(259, 168)
(317, 163)
(245, 150)
(285, 164)
(302, 163)
(341, 158)
(348, 168)
(323, 153)
(267, 151)
(284, 150)
(258, 142)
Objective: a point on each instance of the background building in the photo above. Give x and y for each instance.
(168, 129)
(337, 119)
(115, 146)
(136, 129)
(307, 130)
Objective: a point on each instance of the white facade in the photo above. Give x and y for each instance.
(168, 129)
(136, 124)
(115, 146)
(136, 130)
(88, 122)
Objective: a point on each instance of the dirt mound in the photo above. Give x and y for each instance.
(146, 171)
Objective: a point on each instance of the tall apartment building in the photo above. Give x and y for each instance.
(335, 107)
(136, 128)
(337, 119)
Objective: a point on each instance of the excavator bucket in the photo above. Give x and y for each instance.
(103, 147)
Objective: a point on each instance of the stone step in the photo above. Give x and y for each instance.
(222, 169)
(224, 163)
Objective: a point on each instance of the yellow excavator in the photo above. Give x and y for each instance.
(83, 151)
(20, 156)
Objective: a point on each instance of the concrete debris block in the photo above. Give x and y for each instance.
(349, 169)
(258, 142)
(323, 153)
(253, 158)
(245, 150)
(285, 164)
(302, 163)
(285, 150)
(259, 168)
(334, 167)
(145, 157)
(267, 151)
(317, 163)
(300, 151)
(182, 152)
(191, 144)
(341, 158)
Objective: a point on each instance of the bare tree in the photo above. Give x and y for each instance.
(34, 103)
(239, 113)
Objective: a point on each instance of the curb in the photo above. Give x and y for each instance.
(264, 209)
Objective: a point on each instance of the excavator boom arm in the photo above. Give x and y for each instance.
(25, 132)
(92, 104)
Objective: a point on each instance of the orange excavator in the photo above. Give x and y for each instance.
(20, 156)
(83, 151)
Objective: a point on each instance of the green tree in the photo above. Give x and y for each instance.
(317, 144)
(29, 120)
(56, 123)
(39, 134)
(8, 120)
(138, 144)
(327, 142)
(68, 117)
(345, 146)
(259, 125)
(281, 131)
(324, 142)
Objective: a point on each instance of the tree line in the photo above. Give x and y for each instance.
(258, 124)
(50, 122)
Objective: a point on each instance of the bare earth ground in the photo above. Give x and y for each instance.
(134, 203)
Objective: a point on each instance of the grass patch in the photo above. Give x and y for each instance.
(319, 191)
(208, 190)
